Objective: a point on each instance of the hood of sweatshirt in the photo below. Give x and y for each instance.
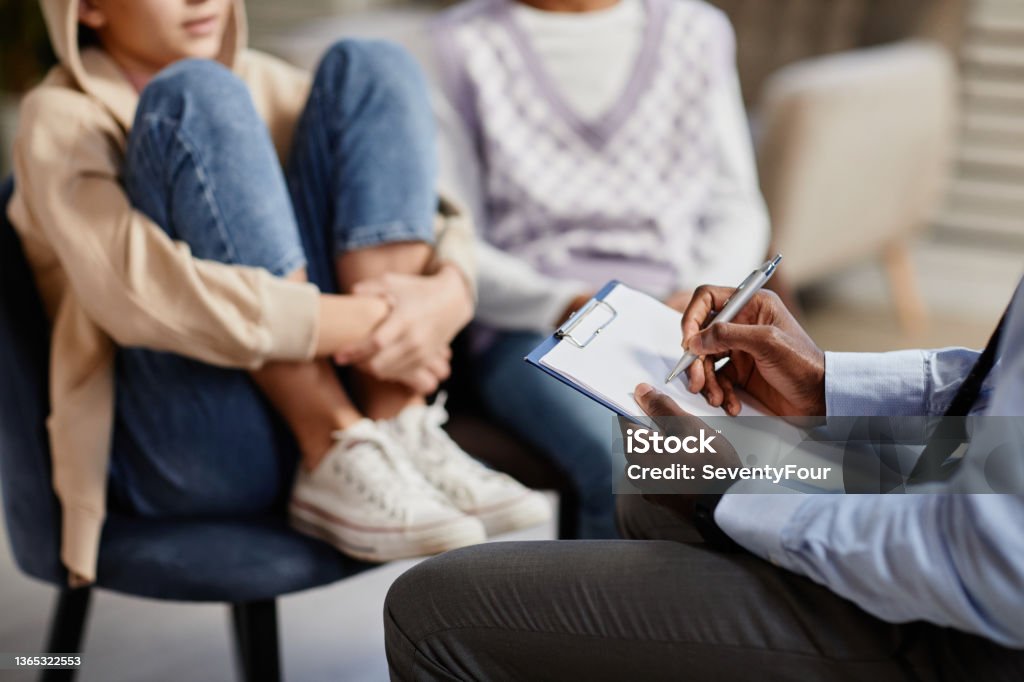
(96, 74)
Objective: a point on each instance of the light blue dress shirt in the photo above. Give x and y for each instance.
(951, 559)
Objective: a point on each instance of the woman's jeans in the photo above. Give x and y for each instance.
(572, 430)
(191, 438)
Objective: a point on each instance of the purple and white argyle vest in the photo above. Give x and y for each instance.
(591, 199)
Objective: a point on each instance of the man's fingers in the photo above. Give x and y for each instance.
(695, 373)
(710, 299)
(730, 401)
(706, 299)
(655, 403)
(731, 373)
(667, 415)
(712, 391)
(728, 337)
(696, 314)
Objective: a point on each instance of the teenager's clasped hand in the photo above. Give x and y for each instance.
(412, 344)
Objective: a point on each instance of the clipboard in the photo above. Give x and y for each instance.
(565, 333)
(638, 342)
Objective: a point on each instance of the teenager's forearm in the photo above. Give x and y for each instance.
(346, 321)
(455, 293)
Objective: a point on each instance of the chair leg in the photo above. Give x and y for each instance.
(66, 630)
(255, 628)
(906, 292)
(568, 516)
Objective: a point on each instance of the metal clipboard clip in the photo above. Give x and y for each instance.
(565, 332)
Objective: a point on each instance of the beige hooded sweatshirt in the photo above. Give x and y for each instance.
(108, 275)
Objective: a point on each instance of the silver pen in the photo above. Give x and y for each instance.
(744, 292)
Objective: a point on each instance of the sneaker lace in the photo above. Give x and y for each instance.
(434, 419)
(379, 476)
(439, 452)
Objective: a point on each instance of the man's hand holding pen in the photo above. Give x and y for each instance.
(770, 356)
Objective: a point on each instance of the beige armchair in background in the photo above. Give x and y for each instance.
(853, 152)
(853, 105)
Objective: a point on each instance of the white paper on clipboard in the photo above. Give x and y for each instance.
(639, 341)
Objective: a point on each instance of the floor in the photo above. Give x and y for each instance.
(965, 286)
(335, 633)
(332, 633)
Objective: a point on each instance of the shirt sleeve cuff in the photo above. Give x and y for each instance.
(754, 514)
(875, 384)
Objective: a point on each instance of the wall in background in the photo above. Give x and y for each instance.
(268, 19)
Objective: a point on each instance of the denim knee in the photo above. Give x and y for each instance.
(201, 164)
(376, 88)
(202, 83)
(380, 68)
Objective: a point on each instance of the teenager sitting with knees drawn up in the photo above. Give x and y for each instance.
(594, 140)
(199, 292)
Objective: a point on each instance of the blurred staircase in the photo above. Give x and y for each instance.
(986, 196)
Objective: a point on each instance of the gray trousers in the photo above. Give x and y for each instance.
(659, 607)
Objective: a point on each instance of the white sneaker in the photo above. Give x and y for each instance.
(367, 501)
(499, 501)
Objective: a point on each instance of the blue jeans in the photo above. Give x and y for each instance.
(191, 438)
(572, 430)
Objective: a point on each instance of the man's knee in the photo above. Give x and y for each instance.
(404, 604)
(421, 601)
(411, 616)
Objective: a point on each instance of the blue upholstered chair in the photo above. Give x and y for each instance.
(246, 562)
